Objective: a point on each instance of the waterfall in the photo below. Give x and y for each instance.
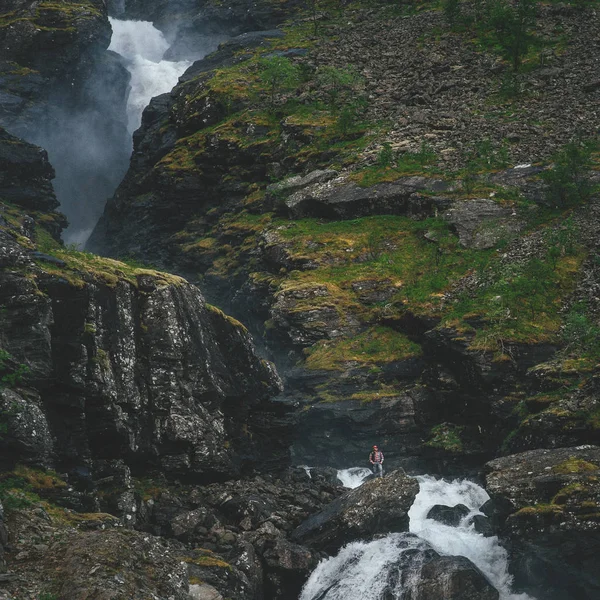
(390, 565)
(143, 46)
(353, 477)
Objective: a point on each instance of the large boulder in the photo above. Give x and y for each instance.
(549, 505)
(451, 578)
(449, 515)
(378, 506)
(482, 223)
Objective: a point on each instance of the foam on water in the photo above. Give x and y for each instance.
(486, 552)
(353, 477)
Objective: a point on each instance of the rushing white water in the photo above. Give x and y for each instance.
(365, 570)
(361, 570)
(353, 477)
(144, 47)
(485, 552)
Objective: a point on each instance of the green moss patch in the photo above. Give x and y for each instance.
(376, 346)
(575, 465)
(79, 265)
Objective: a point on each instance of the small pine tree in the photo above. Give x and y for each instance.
(279, 74)
(567, 182)
(451, 11)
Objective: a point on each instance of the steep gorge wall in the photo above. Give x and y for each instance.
(121, 363)
(62, 90)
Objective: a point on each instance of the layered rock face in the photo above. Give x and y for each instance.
(48, 48)
(395, 298)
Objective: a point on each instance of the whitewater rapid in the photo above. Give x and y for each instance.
(363, 570)
(143, 46)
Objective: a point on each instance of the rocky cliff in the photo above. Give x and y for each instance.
(62, 90)
(412, 239)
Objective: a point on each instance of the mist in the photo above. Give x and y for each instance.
(88, 144)
(88, 135)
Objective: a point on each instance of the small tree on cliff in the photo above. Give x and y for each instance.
(512, 24)
(279, 74)
(340, 86)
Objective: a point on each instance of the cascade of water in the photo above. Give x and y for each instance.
(390, 565)
(144, 47)
(485, 552)
(353, 477)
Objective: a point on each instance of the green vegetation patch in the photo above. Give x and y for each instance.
(80, 264)
(385, 248)
(376, 346)
(518, 302)
(52, 16)
(21, 487)
(446, 436)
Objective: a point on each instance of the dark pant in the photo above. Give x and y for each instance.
(378, 469)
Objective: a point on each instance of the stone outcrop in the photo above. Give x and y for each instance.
(482, 223)
(349, 201)
(448, 577)
(99, 352)
(449, 515)
(219, 537)
(547, 502)
(43, 46)
(378, 506)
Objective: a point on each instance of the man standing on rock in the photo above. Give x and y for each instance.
(376, 459)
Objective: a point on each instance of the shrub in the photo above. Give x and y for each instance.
(567, 182)
(451, 11)
(279, 74)
(386, 155)
(511, 25)
(11, 373)
(339, 85)
(579, 333)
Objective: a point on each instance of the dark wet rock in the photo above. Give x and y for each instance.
(550, 500)
(378, 506)
(327, 474)
(3, 540)
(95, 353)
(448, 515)
(483, 525)
(43, 48)
(287, 567)
(25, 174)
(451, 578)
(28, 432)
(341, 433)
(482, 223)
